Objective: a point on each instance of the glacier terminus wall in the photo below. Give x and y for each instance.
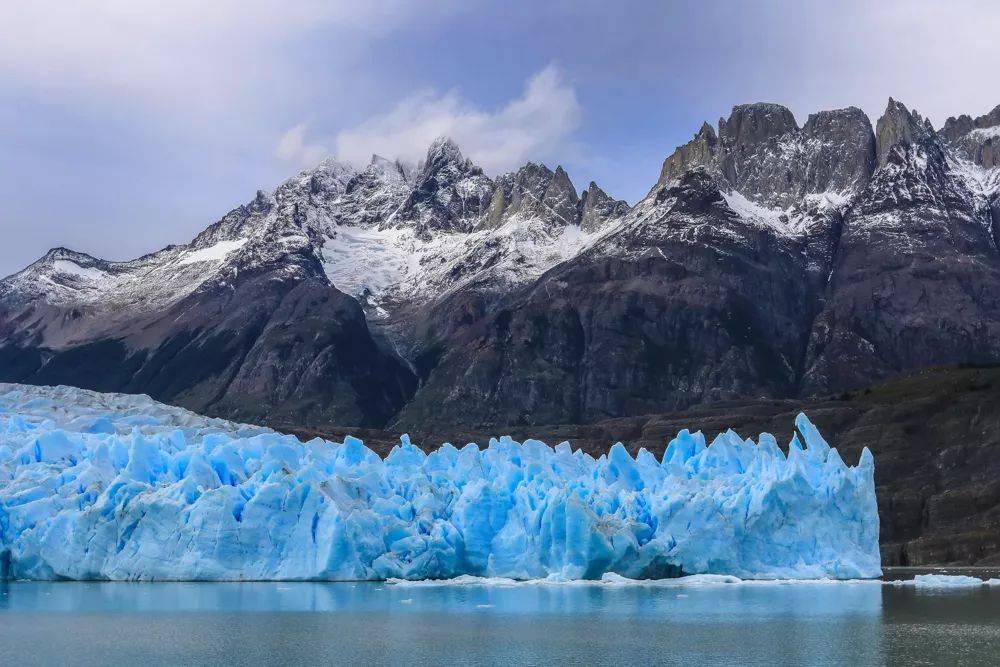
(118, 487)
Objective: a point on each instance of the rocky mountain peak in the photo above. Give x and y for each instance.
(331, 176)
(956, 128)
(561, 198)
(597, 208)
(977, 140)
(762, 153)
(261, 203)
(992, 119)
(844, 158)
(534, 191)
(751, 124)
(61, 252)
(899, 127)
(700, 151)
(532, 179)
(847, 122)
(334, 167)
(449, 192)
(749, 127)
(707, 132)
(444, 154)
(385, 170)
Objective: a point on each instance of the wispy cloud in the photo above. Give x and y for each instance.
(293, 147)
(538, 124)
(183, 57)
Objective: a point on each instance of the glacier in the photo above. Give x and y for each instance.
(119, 487)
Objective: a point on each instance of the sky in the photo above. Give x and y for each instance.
(128, 125)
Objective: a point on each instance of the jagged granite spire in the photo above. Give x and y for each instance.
(520, 193)
(561, 198)
(597, 208)
(700, 151)
(763, 154)
(899, 127)
(535, 191)
(450, 192)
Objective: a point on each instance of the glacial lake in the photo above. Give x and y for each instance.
(149, 624)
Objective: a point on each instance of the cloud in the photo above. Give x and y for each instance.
(187, 58)
(537, 125)
(292, 147)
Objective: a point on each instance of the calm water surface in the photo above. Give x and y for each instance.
(367, 623)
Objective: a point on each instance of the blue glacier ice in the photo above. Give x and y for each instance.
(108, 486)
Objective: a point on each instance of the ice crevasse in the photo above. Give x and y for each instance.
(109, 486)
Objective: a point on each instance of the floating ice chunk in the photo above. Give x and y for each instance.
(104, 486)
(943, 581)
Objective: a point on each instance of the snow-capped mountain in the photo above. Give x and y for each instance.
(380, 241)
(768, 259)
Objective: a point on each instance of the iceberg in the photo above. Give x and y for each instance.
(945, 581)
(118, 487)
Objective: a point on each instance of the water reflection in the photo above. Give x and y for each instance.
(206, 623)
(717, 602)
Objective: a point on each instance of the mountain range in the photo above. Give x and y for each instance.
(769, 260)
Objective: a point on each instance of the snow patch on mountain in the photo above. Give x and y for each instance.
(70, 268)
(213, 253)
(793, 221)
(982, 182)
(984, 133)
(379, 266)
(775, 219)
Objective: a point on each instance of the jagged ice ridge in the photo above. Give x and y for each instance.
(110, 486)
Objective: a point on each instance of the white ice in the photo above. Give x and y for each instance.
(934, 581)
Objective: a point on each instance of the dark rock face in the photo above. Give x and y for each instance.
(833, 152)
(686, 301)
(373, 193)
(916, 279)
(898, 128)
(313, 360)
(846, 156)
(747, 128)
(699, 152)
(270, 348)
(535, 191)
(764, 155)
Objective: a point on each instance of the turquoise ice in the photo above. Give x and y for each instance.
(107, 486)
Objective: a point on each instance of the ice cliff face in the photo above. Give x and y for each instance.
(105, 486)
